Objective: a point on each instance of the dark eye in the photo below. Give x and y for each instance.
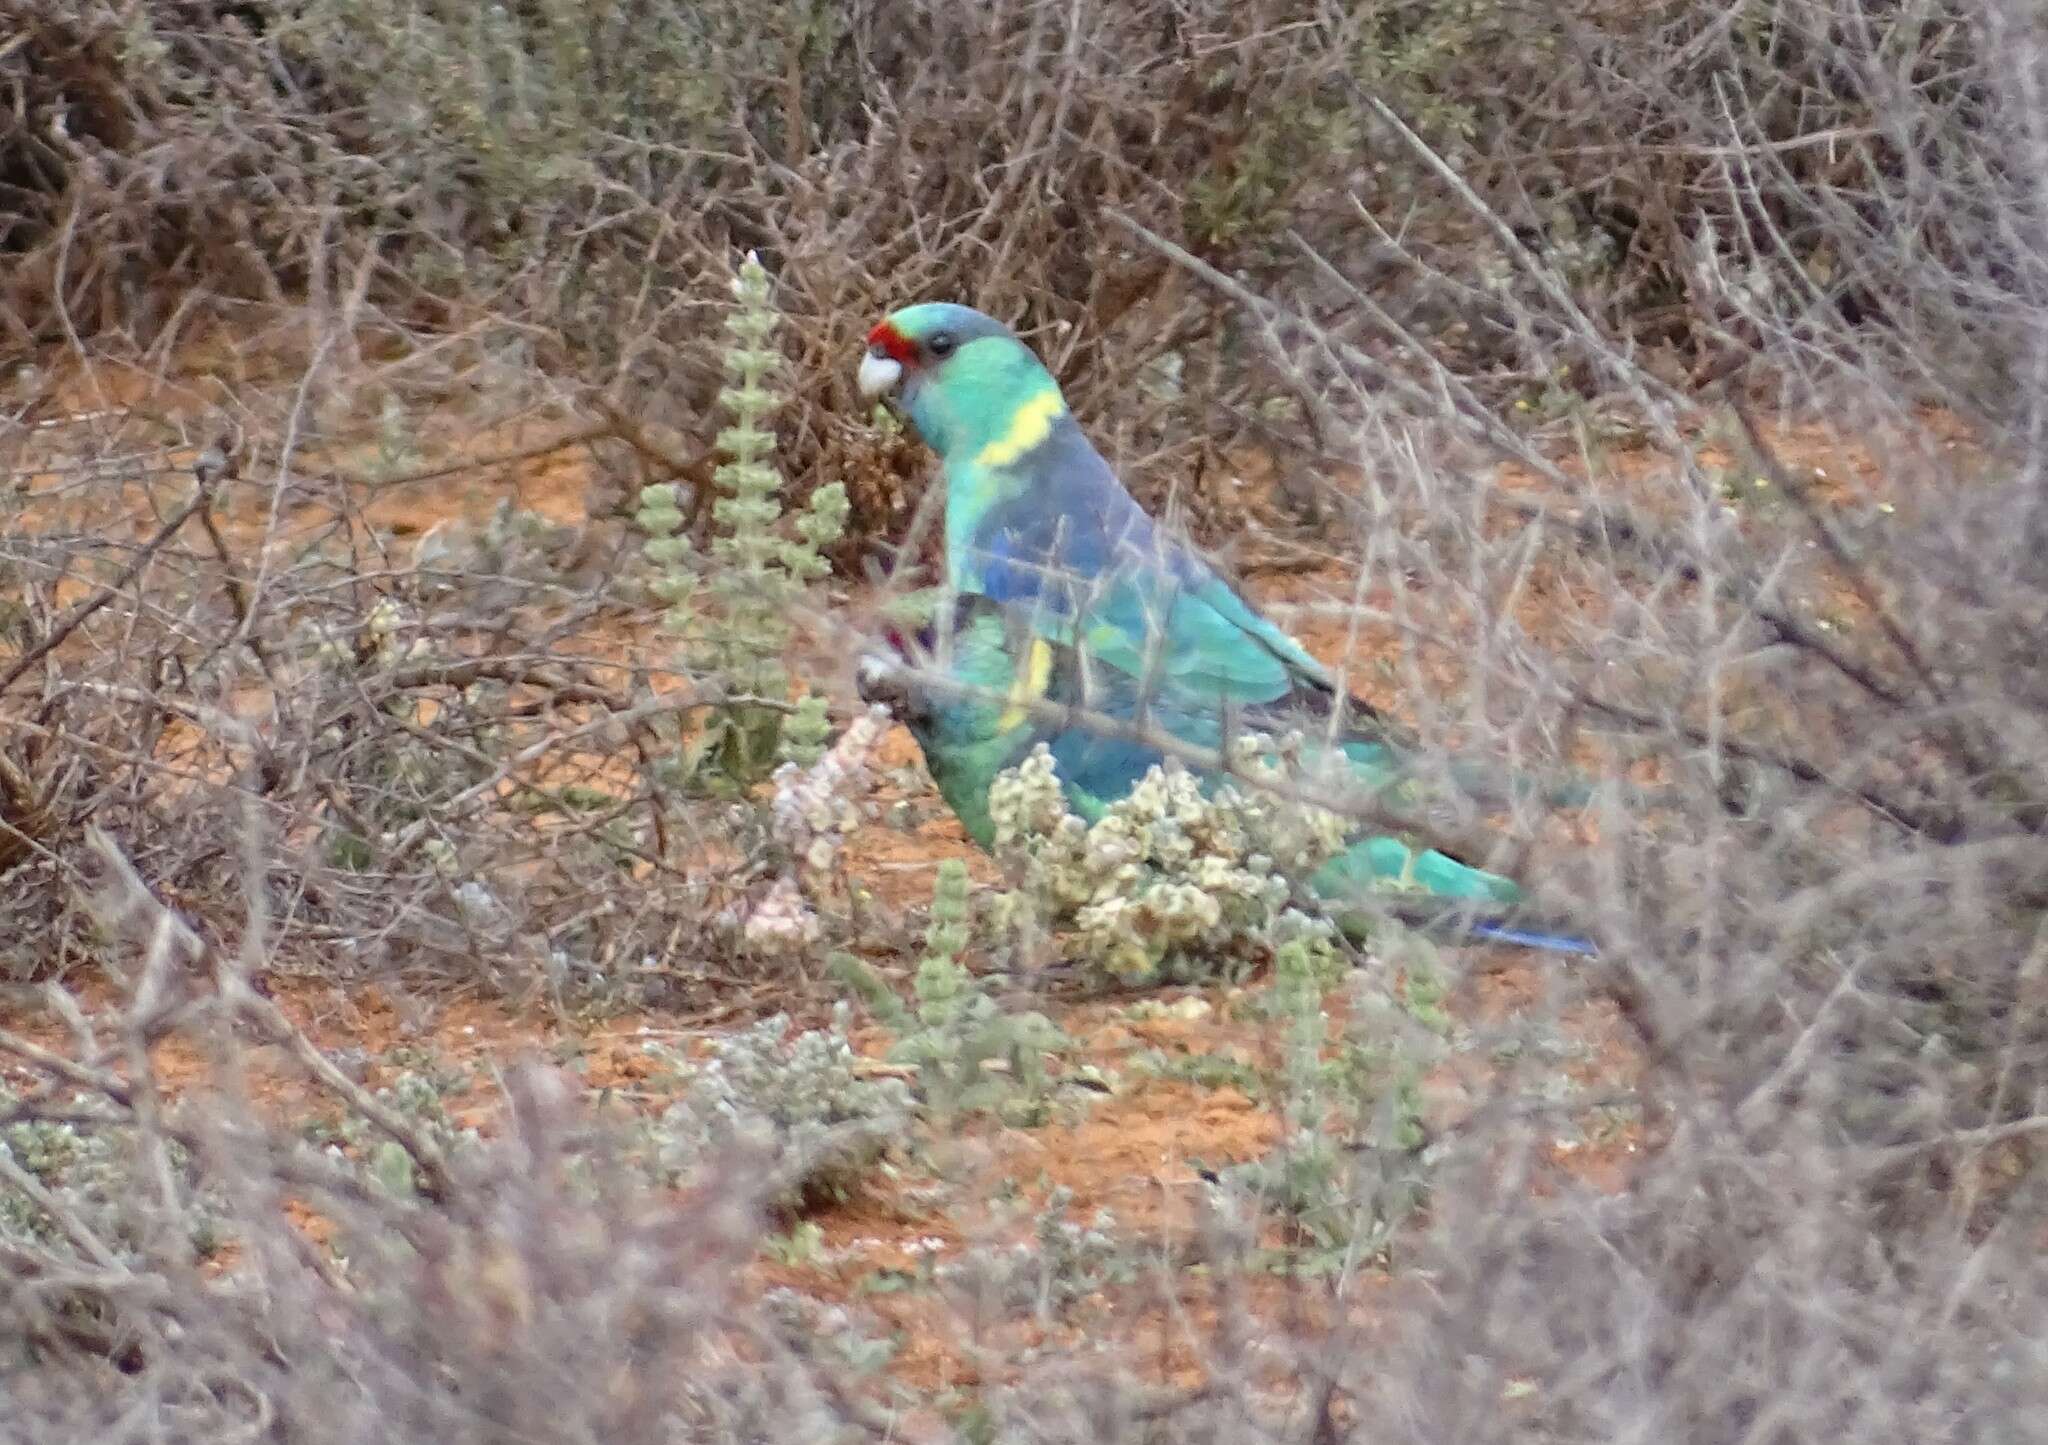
(941, 344)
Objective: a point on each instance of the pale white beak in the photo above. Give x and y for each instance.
(878, 375)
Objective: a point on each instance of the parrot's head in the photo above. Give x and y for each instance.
(959, 375)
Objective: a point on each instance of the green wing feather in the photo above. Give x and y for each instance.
(968, 741)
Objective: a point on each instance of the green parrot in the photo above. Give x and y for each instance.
(1064, 590)
(978, 719)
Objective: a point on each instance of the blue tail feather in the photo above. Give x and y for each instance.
(1532, 938)
(1451, 920)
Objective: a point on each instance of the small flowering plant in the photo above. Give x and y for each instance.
(1174, 879)
(813, 813)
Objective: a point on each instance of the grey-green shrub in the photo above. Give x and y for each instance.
(972, 1054)
(800, 1098)
(1171, 879)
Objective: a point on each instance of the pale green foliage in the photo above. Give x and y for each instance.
(850, 1337)
(515, 96)
(1350, 1168)
(512, 542)
(1417, 55)
(421, 1098)
(950, 930)
(733, 607)
(1171, 880)
(971, 1055)
(61, 1157)
(94, 1174)
(802, 1098)
(1064, 1261)
(806, 731)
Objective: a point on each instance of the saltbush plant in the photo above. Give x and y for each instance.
(59, 1181)
(420, 1097)
(802, 1098)
(1065, 1260)
(1172, 881)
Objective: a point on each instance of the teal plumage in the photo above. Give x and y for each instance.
(1066, 591)
(1035, 518)
(965, 702)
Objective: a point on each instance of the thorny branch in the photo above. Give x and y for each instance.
(77, 616)
(128, 904)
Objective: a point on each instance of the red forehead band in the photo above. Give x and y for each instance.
(894, 342)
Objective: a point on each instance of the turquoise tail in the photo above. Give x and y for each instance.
(1382, 866)
(1436, 893)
